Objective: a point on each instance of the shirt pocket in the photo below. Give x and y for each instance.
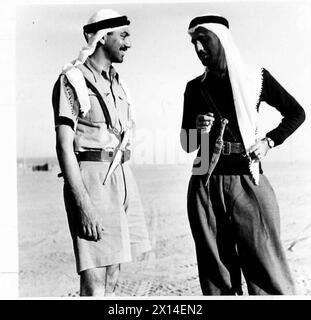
(95, 114)
(123, 107)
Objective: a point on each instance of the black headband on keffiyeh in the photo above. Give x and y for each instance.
(208, 19)
(106, 24)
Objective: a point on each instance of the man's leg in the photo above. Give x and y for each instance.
(218, 267)
(256, 215)
(112, 275)
(99, 281)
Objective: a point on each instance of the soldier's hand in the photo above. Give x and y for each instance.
(204, 122)
(90, 226)
(259, 150)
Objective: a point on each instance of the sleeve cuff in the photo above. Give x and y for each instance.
(273, 136)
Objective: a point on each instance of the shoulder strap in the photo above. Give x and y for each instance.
(101, 101)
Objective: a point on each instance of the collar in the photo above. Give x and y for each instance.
(111, 74)
(98, 71)
(209, 74)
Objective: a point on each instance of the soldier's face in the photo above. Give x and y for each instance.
(209, 49)
(116, 43)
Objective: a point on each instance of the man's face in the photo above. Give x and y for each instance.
(209, 49)
(117, 43)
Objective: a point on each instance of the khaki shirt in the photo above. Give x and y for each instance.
(91, 129)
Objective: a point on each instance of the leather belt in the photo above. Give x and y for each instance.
(102, 155)
(232, 147)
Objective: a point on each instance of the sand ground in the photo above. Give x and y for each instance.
(46, 261)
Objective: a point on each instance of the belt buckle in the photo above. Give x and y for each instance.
(107, 154)
(226, 149)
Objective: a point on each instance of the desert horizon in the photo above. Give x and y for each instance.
(46, 261)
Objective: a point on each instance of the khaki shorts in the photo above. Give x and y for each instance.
(119, 208)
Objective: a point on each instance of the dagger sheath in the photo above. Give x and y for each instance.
(217, 149)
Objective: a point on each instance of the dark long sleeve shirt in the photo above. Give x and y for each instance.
(221, 93)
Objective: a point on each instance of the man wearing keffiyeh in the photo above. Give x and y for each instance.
(234, 216)
(94, 120)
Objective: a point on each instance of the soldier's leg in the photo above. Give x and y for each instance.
(92, 282)
(256, 214)
(99, 281)
(112, 275)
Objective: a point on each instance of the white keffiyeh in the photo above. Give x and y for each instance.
(75, 76)
(246, 82)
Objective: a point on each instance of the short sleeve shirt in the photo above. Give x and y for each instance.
(91, 129)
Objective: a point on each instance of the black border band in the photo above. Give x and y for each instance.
(208, 19)
(105, 24)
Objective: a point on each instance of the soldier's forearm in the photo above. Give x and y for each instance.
(72, 176)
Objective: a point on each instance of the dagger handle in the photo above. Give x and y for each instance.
(223, 123)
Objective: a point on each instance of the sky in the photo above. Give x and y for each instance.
(162, 60)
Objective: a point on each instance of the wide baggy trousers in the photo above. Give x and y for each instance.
(236, 227)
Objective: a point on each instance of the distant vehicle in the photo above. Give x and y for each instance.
(43, 167)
